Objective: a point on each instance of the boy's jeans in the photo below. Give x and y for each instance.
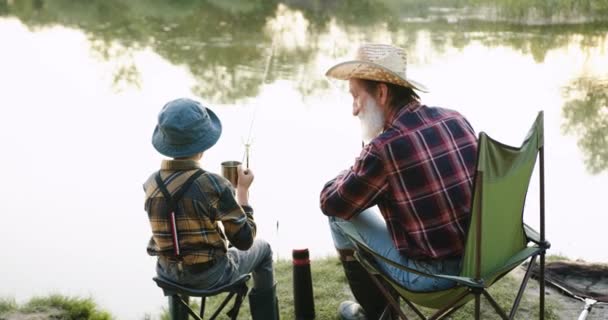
(257, 259)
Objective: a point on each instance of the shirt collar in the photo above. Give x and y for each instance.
(174, 165)
(395, 114)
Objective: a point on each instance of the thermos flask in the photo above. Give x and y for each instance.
(304, 303)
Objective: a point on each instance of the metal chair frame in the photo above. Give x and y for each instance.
(179, 293)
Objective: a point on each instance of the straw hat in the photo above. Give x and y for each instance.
(379, 62)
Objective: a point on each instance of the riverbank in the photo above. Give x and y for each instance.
(330, 288)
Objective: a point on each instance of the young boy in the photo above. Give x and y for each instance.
(185, 203)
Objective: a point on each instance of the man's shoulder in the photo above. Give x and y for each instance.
(410, 124)
(439, 113)
(424, 117)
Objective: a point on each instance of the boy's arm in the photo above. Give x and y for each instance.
(237, 219)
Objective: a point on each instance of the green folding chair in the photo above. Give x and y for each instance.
(497, 241)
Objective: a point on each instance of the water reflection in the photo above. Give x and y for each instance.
(586, 115)
(225, 45)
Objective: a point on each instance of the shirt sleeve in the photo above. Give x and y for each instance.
(357, 188)
(238, 222)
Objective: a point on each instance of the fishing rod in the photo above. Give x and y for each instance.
(249, 140)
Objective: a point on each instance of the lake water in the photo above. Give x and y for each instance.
(82, 84)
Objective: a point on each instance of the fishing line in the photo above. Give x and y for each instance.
(249, 140)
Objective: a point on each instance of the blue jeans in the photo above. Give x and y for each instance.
(372, 228)
(256, 260)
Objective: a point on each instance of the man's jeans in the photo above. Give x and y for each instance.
(257, 259)
(372, 228)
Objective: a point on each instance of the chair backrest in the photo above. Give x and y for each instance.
(502, 178)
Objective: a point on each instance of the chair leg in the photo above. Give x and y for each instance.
(203, 300)
(541, 311)
(222, 305)
(392, 302)
(361, 284)
(179, 308)
(238, 301)
(522, 288)
(495, 305)
(477, 306)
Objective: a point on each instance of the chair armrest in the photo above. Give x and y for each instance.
(534, 236)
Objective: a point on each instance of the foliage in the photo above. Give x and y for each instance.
(554, 9)
(71, 307)
(54, 306)
(7, 305)
(586, 115)
(226, 45)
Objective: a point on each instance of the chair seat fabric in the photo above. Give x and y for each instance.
(170, 288)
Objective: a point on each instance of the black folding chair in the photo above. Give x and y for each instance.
(179, 295)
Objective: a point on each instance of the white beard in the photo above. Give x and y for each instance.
(372, 120)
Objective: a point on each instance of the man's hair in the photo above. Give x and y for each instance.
(398, 96)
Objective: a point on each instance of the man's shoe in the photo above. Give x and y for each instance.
(350, 310)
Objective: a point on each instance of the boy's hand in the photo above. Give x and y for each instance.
(245, 178)
(242, 189)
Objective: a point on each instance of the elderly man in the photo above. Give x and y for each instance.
(416, 167)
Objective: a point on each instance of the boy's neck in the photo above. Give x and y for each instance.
(195, 157)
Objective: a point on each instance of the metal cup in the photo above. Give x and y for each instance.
(230, 172)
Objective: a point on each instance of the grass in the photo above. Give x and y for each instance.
(331, 288)
(53, 307)
(7, 305)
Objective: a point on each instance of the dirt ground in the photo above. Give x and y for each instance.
(567, 308)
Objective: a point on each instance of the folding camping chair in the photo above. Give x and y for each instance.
(497, 239)
(179, 296)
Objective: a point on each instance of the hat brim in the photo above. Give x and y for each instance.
(186, 150)
(371, 71)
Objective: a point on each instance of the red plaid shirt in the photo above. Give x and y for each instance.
(419, 172)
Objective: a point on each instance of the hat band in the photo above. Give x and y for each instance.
(180, 137)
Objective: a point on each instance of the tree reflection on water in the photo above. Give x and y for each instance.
(586, 115)
(225, 45)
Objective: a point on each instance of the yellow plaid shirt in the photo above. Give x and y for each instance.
(209, 201)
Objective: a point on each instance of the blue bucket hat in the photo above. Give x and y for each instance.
(185, 127)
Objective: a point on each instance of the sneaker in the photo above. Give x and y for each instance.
(350, 310)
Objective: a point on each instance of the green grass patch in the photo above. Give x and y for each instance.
(7, 305)
(331, 288)
(53, 307)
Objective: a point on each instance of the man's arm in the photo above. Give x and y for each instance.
(357, 188)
